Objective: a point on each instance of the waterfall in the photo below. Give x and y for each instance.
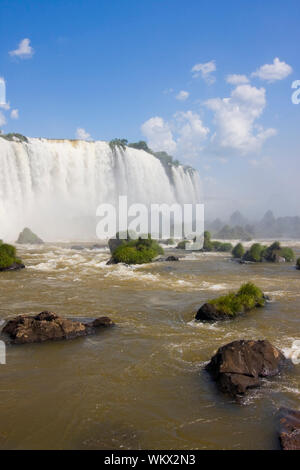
(55, 186)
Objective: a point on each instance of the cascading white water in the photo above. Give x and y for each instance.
(55, 186)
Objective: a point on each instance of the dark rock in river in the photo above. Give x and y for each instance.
(209, 312)
(289, 432)
(77, 247)
(169, 258)
(96, 247)
(172, 258)
(239, 366)
(103, 322)
(13, 267)
(111, 261)
(48, 326)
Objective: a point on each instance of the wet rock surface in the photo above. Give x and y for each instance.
(13, 267)
(47, 326)
(240, 365)
(289, 429)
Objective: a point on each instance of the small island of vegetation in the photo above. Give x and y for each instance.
(258, 253)
(134, 251)
(229, 306)
(8, 258)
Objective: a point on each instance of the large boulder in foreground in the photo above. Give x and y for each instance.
(240, 365)
(28, 237)
(289, 432)
(48, 326)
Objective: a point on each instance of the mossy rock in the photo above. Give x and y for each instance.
(273, 253)
(8, 258)
(140, 251)
(238, 251)
(29, 238)
(248, 297)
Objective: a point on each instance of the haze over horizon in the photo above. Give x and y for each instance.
(169, 75)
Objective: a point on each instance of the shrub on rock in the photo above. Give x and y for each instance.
(229, 306)
(238, 251)
(8, 258)
(140, 251)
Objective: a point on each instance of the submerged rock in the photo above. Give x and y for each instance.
(48, 326)
(28, 237)
(169, 258)
(240, 365)
(172, 258)
(77, 247)
(289, 431)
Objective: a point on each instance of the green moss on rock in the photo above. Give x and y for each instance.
(8, 258)
(140, 251)
(248, 297)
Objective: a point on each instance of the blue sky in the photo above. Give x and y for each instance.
(158, 70)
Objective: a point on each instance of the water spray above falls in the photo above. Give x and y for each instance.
(55, 186)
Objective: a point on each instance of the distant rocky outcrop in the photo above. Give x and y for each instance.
(28, 237)
(289, 432)
(240, 365)
(47, 326)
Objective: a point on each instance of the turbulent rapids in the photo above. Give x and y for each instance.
(55, 186)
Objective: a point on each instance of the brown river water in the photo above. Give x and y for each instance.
(142, 384)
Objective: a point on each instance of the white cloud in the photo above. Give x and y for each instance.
(272, 72)
(24, 50)
(158, 134)
(182, 95)
(235, 119)
(81, 134)
(236, 79)
(182, 137)
(191, 134)
(2, 119)
(2, 92)
(264, 162)
(14, 114)
(205, 71)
